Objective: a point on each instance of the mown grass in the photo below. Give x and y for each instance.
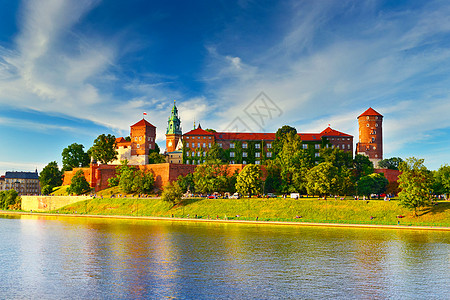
(279, 209)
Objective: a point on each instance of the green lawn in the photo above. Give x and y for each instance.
(278, 209)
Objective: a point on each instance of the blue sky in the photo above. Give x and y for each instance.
(71, 70)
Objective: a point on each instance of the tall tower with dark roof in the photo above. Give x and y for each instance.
(370, 135)
(173, 133)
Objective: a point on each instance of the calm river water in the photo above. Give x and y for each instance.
(86, 258)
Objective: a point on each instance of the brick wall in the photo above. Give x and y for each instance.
(391, 175)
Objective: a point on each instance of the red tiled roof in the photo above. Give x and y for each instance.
(143, 122)
(120, 140)
(244, 136)
(370, 112)
(198, 131)
(331, 132)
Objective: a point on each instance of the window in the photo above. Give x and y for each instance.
(204, 145)
(232, 162)
(135, 138)
(257, 146)
(367, 117)
(257, 162)
(316, 154)
(203, 161)
(187, 153)
(367, 125)
(199, 153)
(209, 137)
(374, 148)
(140, 138)
(220, 145)
(198, 138)
(373, 140)
(317, 146)
(376, 125)
(209, 145)
(257, 154)
(231, 145)
(204, 153)
(187, 145)
(244, 145)
(137, 146)
(244, 162)
(187, 137)
(269, 154)
(187, 162)
(269, 145)
(244, 154)
(231, 154)
(198, 145)
(305, 146)
(349, 146)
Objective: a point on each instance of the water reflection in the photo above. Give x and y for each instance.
(65, 257)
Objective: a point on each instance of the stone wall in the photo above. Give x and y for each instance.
(47, 203)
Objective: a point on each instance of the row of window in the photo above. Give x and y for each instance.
(193, 137)
(232, 154)
(195, 162)
(150, 139)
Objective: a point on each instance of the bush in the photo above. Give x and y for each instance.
(79, 184)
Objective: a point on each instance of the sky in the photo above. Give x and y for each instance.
(72, 70)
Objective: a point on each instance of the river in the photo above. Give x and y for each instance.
(62, 257)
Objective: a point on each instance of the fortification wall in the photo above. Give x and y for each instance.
(67, 177)
(47, 203)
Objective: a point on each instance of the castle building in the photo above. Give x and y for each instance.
(136, 149)
(370, 135)
(255, 148)
(25, 183)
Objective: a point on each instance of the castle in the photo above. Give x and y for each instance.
(185, 151)
(242, 147)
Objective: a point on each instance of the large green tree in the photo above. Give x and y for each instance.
(442, 181)
(322, 179)
(74, 156)
(211, 176)
(50, 177)
(186, 183)
(104, 149)
(249, 180)
(362, 166)
(79, 184)
(415, 182)
(280, 137)
(372, 184)
(294, 163)
(343, 162)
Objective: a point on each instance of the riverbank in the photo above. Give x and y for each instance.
(304, 210)
(232, 221)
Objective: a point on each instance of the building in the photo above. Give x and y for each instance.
(370, 135)
(25, 183)
(137, 147)
(255, 148)
(174, 136)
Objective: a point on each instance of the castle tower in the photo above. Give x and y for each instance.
(173, 133)
(370, 135)
(143, 136)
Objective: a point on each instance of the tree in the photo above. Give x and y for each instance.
(73, 156)
(211, 176)
(172, 193)
(50, 176)
(372, 184)
(186, 183)
(442, 181)
(294, 163)
(273, 179)
(322, 180)
(390, 163)
(104, 149)
(8, 199)
(143, 181)
(154, 157)
(249, 180)
(280, 137)
(46, 190)
(79, 184)
(415, 182)
(344, 181)
(217, 153)
(362, 165)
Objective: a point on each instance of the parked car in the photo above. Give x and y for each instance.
(271, 195)
(235, 196)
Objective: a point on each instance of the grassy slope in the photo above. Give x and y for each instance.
(310, 210)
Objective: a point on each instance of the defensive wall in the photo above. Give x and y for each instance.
(48, 203)
(98, 175)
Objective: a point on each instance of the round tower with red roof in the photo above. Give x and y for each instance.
(370, 135)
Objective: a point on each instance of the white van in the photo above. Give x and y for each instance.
(295, 195)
